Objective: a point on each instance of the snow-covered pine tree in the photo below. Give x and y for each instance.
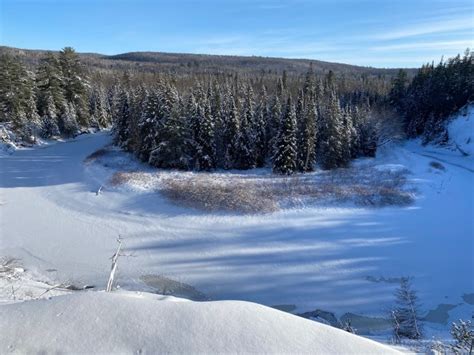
(330, 135)
(98, 107)
(149, 125)
(75, 84)
(232, 128)
(367, 134)
(49, 85)
(49, 120)
(244, 142)
(260, 129)
(406, 314)
(68, 121)
(273, 125)
(121, 122)
(17, 96)
(463, 335)
(307, 147)
(172, 149)
(284, 160)
(300, 126)
(137, 104)
(205, 155)
(347, 136)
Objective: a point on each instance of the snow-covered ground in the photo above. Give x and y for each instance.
(141, 323)
(346, 259)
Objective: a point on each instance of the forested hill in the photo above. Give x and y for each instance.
(200, 63)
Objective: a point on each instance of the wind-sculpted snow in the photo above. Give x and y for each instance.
(96, 322)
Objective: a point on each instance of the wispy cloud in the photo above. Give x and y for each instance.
(435, 45)
(428, 27)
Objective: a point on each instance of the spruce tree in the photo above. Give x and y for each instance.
(205, 154)
(406, 314)
(284, 160)
(121, 127)
(330, 151)
(232, 129)
(244, 142)
(172, 150)
(307, 147)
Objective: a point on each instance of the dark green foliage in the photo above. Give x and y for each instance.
(285, 158)
(434, 93)
(74, 83)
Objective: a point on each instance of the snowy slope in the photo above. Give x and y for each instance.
(101, 322)
(461, 129)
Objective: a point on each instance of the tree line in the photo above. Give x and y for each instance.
(231, 120)
(433, 95)
(228, 124)
(55, 100)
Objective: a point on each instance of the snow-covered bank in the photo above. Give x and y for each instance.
(98, 322)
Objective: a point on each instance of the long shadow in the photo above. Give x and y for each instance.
(308, 263)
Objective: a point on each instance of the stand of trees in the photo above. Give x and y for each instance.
(232, 119)
(57, 99)
(434, 93)
(235, 124)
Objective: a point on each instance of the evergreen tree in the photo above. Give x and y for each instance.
(49, 120)
(68, 121)
(49, 88)
(75, 83)
(244, 153)
(405, 316)
(232, 130)
(307, 144)
(284, 160)
(172, 150)
(260, 129)
(121, 127)
(17, 96)
(98, 107)
(149, 126)
(205, 155)
(330, 151)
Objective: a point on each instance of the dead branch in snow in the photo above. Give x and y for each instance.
(113, 269)
(464, 153)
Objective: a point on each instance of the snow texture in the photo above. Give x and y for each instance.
(129, 322)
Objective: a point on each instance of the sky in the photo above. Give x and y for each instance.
(378, 33)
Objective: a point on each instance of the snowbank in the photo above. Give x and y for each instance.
(126, 322)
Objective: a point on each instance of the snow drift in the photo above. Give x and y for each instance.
(126, 322)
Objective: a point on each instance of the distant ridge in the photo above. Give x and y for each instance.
(176, 62)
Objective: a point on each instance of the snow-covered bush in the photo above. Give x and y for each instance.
(463, 335)
(406, 319)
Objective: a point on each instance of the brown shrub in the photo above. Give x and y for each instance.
(216, 194)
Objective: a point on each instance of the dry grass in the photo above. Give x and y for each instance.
(217, 194)
(363, 186)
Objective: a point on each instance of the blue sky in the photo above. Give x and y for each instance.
(380, 33)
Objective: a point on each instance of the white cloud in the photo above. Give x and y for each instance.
(429, 27)
(435, 45)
